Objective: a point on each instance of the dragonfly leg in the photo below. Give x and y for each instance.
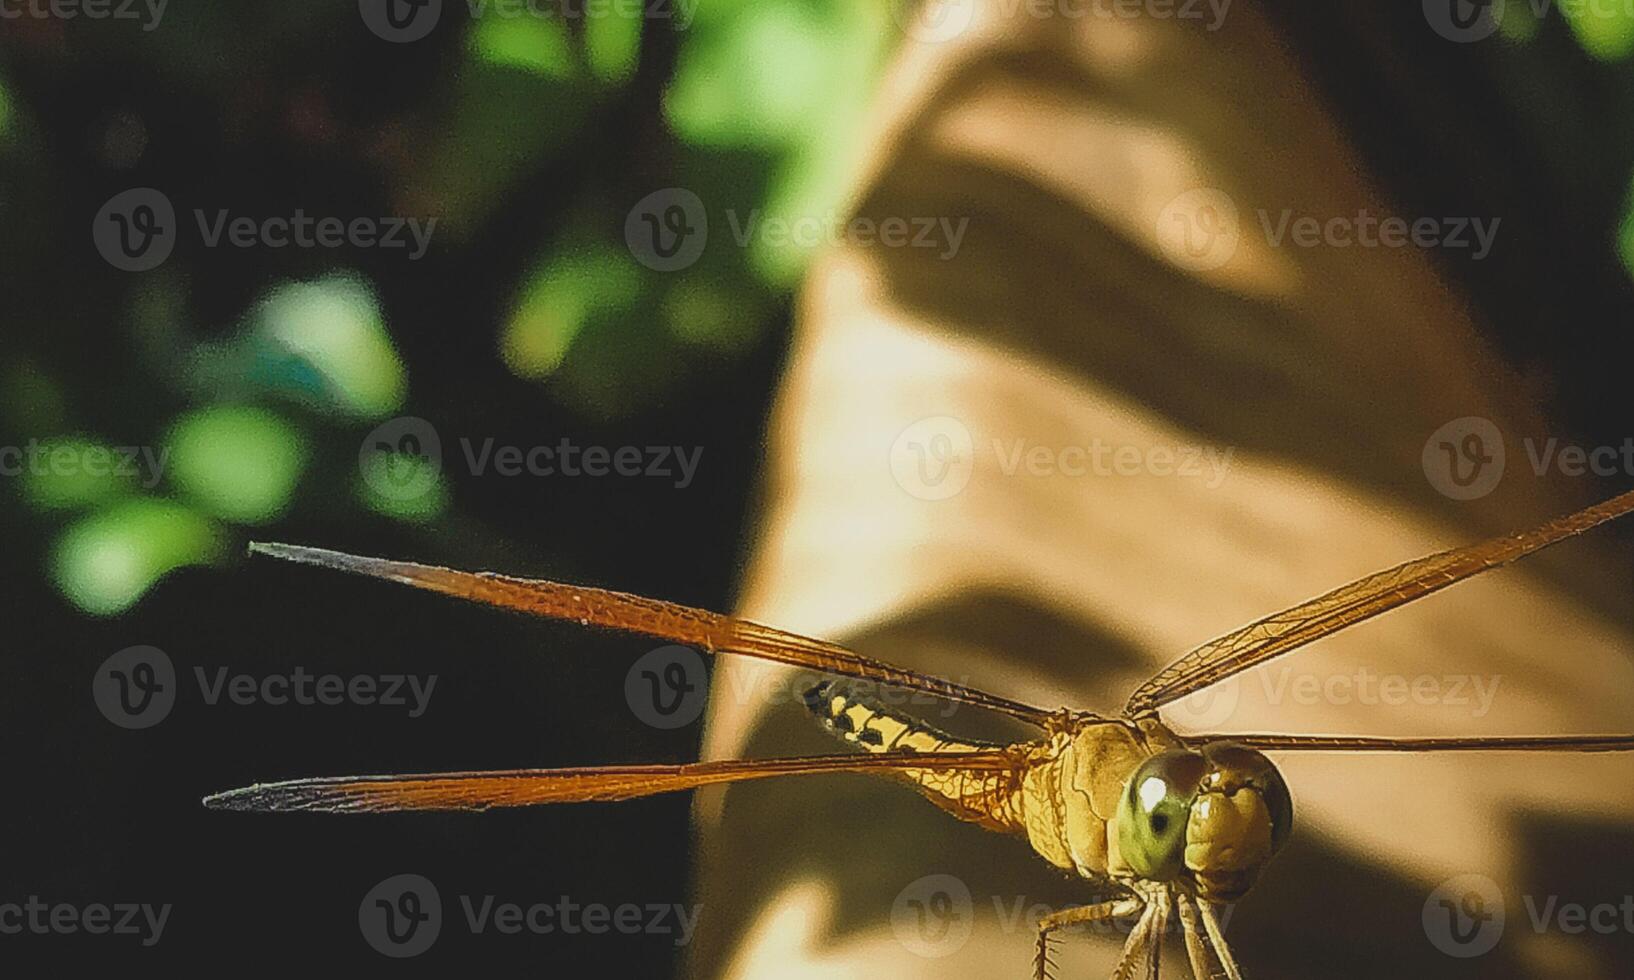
(1116, 909)
(1139, 941)
(1191, 927)
(1216, 935)
(1160, 929)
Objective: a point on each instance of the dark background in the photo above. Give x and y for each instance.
(529, 163)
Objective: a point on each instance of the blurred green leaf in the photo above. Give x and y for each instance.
(105, 562)
(713, 314)
(1605, 30)
(1519, 21)
(585, 280)
(239, 463)
(752, 80)
(334, 328)
(377, 491)
(68, 473)
(533, 44)
(612, 43)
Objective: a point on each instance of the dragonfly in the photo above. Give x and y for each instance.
(1165, 823)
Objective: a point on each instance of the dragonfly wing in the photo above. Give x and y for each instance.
(708, 631)
(1347, 605)
(1362, 743)
(530, 787)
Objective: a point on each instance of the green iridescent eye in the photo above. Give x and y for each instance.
(1153, 812)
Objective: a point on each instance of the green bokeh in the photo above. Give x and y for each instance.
(239, 463)
(560, 298)
(105, 562)
(333, 327)
(428, 501)
(533, 44)
(1604, 29)
(73, 473)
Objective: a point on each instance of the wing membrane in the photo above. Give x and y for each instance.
(530, 787)
(1347, 605)
(711, 632)
(1357, 743)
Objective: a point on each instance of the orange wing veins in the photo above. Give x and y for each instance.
(529, 787)
(1362, 743)
(1347, 605)
(708, 631)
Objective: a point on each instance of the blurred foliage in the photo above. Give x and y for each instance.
(246, 407)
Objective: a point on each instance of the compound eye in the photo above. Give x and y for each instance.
(1153, 812)
(1245, 766)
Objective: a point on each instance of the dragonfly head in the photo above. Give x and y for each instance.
(1214, 816)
